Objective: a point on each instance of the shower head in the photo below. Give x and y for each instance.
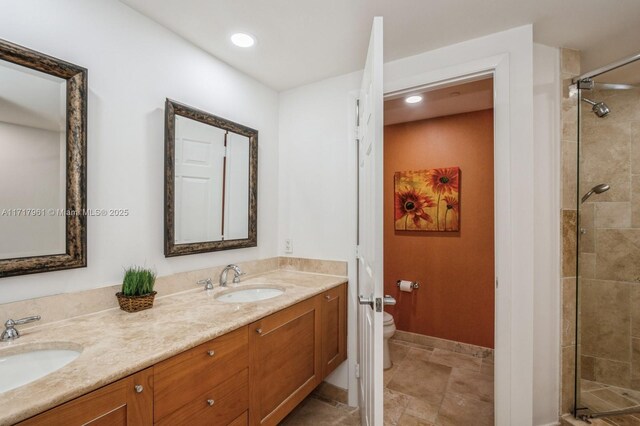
(598, 189)
(599, 108)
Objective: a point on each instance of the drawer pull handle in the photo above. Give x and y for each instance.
(211, 353)
(327, 297)
(259, 330)
(138, 388)
(210, 402)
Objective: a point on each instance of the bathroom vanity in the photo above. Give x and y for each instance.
(272, 355)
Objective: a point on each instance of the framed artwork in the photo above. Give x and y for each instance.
(427, 200)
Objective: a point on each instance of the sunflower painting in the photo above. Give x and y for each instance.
(427, 200)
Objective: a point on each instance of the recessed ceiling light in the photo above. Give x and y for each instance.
(243, 40)
(413, 99)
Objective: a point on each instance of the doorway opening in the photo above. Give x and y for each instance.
(439, 254)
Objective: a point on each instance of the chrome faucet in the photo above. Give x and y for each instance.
(237, 272)
(10, 332)
(208, 285)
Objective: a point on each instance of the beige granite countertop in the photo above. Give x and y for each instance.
(116, 344)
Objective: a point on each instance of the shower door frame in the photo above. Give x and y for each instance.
(584, 412)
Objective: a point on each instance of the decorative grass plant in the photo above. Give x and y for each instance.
(138, 281)
(137, 289)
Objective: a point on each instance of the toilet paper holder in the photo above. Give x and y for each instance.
(414, 284)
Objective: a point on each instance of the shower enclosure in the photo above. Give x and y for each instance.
(608, 267)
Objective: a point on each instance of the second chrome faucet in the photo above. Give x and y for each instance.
(237, 272)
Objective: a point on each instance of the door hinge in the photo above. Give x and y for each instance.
(357, 252)
(357, 371)
(585, 84)
(496, 282)
(357, 112)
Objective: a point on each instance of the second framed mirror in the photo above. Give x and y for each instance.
(211, 167)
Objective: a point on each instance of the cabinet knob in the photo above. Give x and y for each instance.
(259, 330)
(138, 388)
(211, 353)
(210, 402)
(327, 297)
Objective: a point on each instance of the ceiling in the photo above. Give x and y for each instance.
(303, 41)
(466, 97)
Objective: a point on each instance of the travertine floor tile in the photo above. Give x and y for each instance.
(394, 405)
(409, 420)
(613, 398)
(457, 410)
(422, 410)
(421, 379)
(418, 392)
(397, 352)
(313, 412)
(456, 360)
(471, 385)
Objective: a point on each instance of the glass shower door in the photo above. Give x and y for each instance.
(608, 286)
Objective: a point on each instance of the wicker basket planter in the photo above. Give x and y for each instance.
(136, 303)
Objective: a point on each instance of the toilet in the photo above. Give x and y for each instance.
(388, 331)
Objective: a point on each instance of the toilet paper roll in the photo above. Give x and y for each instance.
(406, 286)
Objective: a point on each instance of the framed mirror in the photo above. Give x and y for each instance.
(211, 182)
(43, 174)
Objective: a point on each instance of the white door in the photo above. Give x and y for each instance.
(200, 153)
(370, 286)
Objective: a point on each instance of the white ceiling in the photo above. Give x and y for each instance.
(303, 41)
(466, 97)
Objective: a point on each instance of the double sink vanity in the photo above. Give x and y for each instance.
(241, 354)
(246, 354)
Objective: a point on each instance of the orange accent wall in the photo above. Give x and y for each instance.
(455, 269)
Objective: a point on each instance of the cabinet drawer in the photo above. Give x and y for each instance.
(112, 405)
(243, 420)
(189, 375)
(221, 405)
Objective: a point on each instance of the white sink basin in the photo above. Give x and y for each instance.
(249, 293)
(18, 369)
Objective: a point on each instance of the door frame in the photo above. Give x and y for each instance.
(509, 57)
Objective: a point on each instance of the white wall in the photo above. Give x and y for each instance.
(317, 183)
(134, 64)
(546, 326)
(317, 198)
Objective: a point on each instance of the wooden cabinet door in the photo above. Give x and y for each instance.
(334, 328)
(120, 403)
(285, 361)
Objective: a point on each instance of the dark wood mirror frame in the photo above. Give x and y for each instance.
(76, 187)
(173, 108)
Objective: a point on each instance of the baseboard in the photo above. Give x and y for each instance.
(449, 345)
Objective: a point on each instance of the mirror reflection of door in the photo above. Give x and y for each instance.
(211, 183)
(200, 150)
(32, 162)
(236, 200)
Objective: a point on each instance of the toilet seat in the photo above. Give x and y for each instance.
(388, 318)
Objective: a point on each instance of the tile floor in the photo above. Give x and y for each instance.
(600, 397)
(425, 387)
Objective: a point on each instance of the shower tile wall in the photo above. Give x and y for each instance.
(570, 67)
(609, 249)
